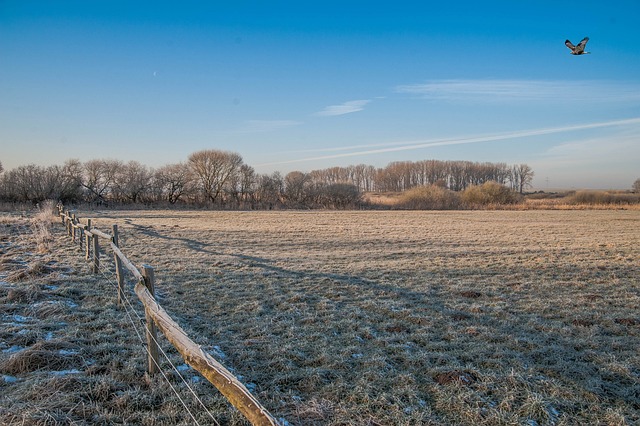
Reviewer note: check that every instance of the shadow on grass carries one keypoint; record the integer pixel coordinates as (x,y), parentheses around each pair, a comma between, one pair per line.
(529,340)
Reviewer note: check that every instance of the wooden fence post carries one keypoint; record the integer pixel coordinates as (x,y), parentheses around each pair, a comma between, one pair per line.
(119,271)
(80,236)
(96,254)
(74,221)
(69,224)
(152,334)
(66,221)
(88,237)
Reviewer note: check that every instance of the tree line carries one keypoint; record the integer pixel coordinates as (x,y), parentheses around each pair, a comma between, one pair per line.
(221,179)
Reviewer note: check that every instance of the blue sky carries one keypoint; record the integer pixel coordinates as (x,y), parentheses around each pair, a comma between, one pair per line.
(307,85)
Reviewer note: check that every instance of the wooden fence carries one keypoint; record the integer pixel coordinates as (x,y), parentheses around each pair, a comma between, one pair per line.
(88,239)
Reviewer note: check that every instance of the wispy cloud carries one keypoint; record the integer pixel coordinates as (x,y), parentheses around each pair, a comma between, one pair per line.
(598,149)
(264,126)
(414,145)
(345,108)
(603,161)
(523,90)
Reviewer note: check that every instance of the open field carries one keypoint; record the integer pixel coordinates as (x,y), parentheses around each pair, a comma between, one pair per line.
(384,318)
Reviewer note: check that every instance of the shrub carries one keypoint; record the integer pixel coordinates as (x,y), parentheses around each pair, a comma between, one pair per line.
(429,198)
(41,224)
(489,193)
(604,197)
(339,196)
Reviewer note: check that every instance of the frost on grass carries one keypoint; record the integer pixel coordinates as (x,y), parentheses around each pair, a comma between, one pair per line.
(409,317)
(63,340)
(371,317)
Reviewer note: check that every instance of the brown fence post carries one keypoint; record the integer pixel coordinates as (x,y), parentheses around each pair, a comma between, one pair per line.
(96,254)
(118,262)
(152,334)
(69,224)
(74,221)
(88,237)
(80,236)
(66,222)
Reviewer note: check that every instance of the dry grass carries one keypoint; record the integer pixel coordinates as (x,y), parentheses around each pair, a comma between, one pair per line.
(404,318)
(379,318)
(69,354)
(492,196)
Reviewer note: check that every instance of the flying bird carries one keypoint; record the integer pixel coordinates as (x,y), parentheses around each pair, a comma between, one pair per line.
(579,49)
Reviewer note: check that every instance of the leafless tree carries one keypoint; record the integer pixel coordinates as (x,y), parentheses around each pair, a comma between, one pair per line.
(248,181)
(241,185)
(57,186)
(521,177)
(213,169)
(269,190)
(97,177)
(132,181)
(297,187)
(340,195)
(32,183)
(363,176)
(24,183)
(455,175)
(636,186)
(173,181)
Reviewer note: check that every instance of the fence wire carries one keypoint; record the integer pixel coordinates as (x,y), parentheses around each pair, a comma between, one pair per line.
(108,275)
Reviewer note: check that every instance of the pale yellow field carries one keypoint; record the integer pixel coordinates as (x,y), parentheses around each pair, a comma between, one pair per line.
(333,318)
(475,317)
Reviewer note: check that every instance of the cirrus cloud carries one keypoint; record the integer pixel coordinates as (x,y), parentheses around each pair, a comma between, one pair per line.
(523,90)
(345,108)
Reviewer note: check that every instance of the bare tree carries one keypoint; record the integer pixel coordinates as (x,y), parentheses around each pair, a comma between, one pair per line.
(247,182)
(363,177)
(173,181)
(96,176)
(340,195)
(241,184)
(521,177)
(270,188)
(24,183)
(73,171)
(1,168)
(296,188)
(32,183)
(636,186)
(213,169)
(56,186)
(132,181)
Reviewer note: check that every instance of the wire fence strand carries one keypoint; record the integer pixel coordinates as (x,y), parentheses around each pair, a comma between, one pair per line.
(108,267)
(107,275)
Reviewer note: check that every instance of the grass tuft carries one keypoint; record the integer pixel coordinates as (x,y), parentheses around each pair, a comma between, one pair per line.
(51,355)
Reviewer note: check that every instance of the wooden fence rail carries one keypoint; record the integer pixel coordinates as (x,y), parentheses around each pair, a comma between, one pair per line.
(235,392)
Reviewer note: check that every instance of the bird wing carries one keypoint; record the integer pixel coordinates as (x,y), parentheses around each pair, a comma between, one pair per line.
(583,43)
(569,45)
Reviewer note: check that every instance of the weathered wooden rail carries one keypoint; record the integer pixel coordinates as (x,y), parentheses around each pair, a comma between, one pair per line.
(156,317)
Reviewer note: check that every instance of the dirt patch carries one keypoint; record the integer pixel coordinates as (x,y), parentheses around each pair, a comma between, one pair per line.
(460,316)
(582,322)
(470,294)
(455,377)
(593,297)
(627,321)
